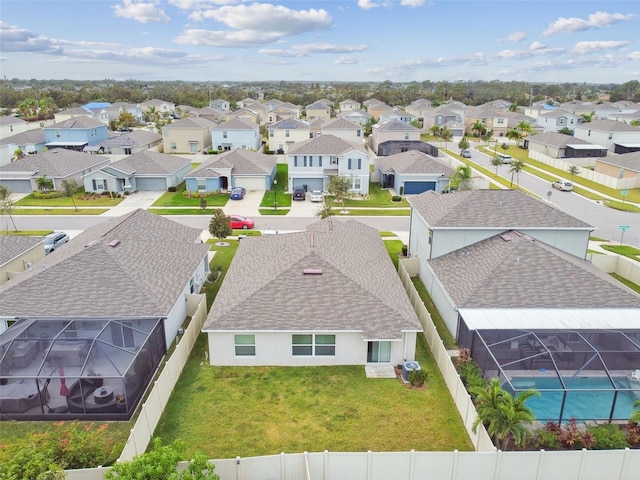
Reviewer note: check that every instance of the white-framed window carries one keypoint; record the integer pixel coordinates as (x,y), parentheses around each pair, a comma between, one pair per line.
(271,133)
(357,184)
(313,345)
(286,133)
(358,133)
(57,133)
(245,345)
(127,151)
(334,161)
(500,121)
(173,146)
(193,147)
(201,183)
(224,134)
(99,183)
(406,136)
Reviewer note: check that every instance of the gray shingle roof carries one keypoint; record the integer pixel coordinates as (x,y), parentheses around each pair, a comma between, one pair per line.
(11,120)
(630,161)
(55,163)
(341,124)
(608,126)
(137,137)
(80,122)
(413,161)
(325,145)
(357,290)
(236,124)
(197,123)
(241,162)
(507,209)
(30,136)
(524,273)
(143,275)
(150,163)
(290,124)
(559,140)
(395,126)
(12,246)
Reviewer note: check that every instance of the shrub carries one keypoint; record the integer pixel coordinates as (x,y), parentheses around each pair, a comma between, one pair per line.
(172,189)
(543,439)
(417,378)
(570,436)
(608,437)
(471,375)
(401,190)
(405,250)
(46,195)
(633,433)
(396,198)
(505,146)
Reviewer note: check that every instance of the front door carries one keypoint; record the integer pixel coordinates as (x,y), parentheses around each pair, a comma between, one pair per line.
(379,352)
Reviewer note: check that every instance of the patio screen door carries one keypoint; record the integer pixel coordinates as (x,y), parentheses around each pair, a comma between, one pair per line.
(379,352)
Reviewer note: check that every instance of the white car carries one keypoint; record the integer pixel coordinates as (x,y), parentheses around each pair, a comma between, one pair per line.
(53,241)
(316,196)
(563,185)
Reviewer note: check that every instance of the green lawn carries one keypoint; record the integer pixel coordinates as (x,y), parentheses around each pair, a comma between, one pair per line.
(375,212)
(626,250)
(181,211)
(178,199)
(59,211)
(26,233)
(283,199)
(267,410)
(81,199)
(443,331)
(633,286)
(378,197)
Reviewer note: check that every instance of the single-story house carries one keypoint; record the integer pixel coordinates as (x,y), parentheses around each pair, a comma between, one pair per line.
(354,310)
(151,171)
(57,164)
(94,319)
(237,168)
(18,254)
(413,172)
(29,142)
(559,145)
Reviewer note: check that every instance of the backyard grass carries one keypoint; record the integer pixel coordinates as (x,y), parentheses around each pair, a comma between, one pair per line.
(178,199)
(283,199)
(59,211)
(93,201)
(443,331)
(267,410)
(625,250)
(633,286)
(26,233)
(394,247)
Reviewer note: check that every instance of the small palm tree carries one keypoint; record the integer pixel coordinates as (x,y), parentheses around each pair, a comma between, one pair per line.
(496,162)
(478,128)
(462,177)
(446,135)
(516,167)
(435,130)
(574,170)
(44,184)
(514,134)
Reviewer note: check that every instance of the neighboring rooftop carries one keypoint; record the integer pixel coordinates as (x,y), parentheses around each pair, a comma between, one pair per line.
(413,161)
(12,246)
(325,145)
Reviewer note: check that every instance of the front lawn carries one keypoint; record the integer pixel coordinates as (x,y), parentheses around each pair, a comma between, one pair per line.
(81,200)
(625,250)
(178,199)
(59,211)
(283,199)
(378,197)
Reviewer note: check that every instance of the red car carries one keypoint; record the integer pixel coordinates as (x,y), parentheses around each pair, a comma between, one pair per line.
(237,222)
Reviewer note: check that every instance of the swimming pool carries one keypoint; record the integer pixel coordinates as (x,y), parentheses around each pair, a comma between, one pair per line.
(585,398)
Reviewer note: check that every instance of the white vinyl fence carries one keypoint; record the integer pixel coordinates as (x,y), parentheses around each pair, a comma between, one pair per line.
(625,267)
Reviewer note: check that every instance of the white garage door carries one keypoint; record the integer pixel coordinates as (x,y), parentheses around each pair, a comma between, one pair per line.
(250,183)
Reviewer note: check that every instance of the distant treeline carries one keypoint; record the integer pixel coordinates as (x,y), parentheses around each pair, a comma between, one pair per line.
(68,93)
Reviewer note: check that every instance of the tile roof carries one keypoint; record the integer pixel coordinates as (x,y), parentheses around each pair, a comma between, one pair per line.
(413,161)
(12,246)
(325,145)
(143,275)
(55,163)
(240,161)
(30,136)
(358,288)
(80,122)
(507,209)
(524,273)
(150,163)
(559,140)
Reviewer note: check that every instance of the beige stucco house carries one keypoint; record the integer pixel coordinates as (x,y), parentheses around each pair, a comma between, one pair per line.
(18,254)
(189,135)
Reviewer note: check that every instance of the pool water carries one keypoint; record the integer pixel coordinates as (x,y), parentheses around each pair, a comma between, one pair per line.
(587,398)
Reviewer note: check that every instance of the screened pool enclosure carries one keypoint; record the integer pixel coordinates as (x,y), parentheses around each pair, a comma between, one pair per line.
(53,368)
(587,375)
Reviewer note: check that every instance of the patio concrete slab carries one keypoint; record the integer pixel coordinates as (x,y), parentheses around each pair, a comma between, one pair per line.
(380,371)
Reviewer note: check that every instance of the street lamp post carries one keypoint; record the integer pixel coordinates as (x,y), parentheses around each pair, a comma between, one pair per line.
(275,194)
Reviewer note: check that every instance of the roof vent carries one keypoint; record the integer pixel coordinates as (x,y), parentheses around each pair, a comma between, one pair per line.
(114,243)
(91,243)
(505,237)
(312,271)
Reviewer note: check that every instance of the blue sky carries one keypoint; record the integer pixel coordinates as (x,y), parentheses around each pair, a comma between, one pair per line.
(330,40)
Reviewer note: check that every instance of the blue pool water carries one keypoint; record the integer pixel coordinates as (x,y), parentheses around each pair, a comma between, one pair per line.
(587,398)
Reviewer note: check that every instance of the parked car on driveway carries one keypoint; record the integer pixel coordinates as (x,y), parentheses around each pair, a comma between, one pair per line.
(316,196)
(237,193)
(53,241)
(239,222)
(299,193)
(563,185)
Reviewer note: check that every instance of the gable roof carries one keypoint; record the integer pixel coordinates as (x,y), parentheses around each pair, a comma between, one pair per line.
(130,139)
(12,246)
(79,122)
(289,124)
(240,161)
(236,124)
(325,145)
(559,140)
(413,161)
(128,279)
(394,125)
(629,161)
(609,126)
(30,136)
(358,289)
(55,163)
(150,163)
(11,120)
(341,124)
(194,123)
(517,273)
(507,209)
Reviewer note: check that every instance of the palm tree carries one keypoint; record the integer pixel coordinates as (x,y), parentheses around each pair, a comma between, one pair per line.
(504,416)
(514,134)
(524,127)
(478,128)
(446,135)
(496,162)
(463,144)
(44,184)
(574,170)
(462,177)
(516,167)
(435,130)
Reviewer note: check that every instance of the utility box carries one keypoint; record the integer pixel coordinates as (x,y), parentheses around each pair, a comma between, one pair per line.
(407,368)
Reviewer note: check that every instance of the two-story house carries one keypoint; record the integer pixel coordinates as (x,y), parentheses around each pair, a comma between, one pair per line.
(418,108)
(357,116)
(286,132)
(319,109)
(29,142)
(314,161)
(557,120)
(162,107)
(75,133)
(128,143)
(10,126)
(608,133)
(343,129)
(236,133)
(220,104)
(385,137)
(188,135)
(397,114)
(348,105)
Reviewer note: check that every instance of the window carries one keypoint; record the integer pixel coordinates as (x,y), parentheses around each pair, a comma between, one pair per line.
(320,161)
(500,121)
(313,345)
(610,136)
(295,160)
(193,146)
(173,146)
(224,134)
(127,151)
(99,183)
(334,161)
(305,160)
(245,344)
(271,133)
(406,136)
(202,183)
(357,133)
(357,184)
(286,133)
(58,133)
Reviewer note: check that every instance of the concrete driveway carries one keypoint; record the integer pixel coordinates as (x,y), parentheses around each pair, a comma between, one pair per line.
(249,206)
(304,209)
(132,202)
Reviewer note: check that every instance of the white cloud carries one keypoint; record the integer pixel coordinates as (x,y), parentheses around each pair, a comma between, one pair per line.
(512,54)
(347,60)
(412,3)
(141,11)
(243,38)
(368,4)
(537,46)
(582,48)
(199,4)
(14,39)
(634,56)
(514,37)
(595,20)
(310,48)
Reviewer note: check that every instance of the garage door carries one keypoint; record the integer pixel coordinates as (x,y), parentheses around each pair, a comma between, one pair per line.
(250,183)
(17,186)
(151,184)
(311,183)
(412,188)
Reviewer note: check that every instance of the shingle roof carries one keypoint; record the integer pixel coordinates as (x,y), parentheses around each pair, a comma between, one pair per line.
(12,246)
(241,162)
(608,126)
(524,273)
(289,124)
(137,137)
(507,209)
(394,125)
(341,124)
(191,123)
(325,145)
(150,163)
(629,161)
(357,290)
(11,120)
(80,122)
(236,124)
(55,163)
(559,140)
(143,275)
(30,136)
(413,161)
